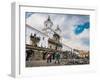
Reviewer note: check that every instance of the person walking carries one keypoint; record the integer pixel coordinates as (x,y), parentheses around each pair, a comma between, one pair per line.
(49,57)
(57,58)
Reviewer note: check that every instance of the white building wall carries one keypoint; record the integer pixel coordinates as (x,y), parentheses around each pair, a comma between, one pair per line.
(42,42)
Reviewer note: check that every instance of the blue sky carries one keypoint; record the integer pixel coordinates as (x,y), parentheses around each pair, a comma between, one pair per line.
(75,28)
(28,14)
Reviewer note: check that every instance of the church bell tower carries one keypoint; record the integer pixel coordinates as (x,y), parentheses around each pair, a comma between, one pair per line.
(48,26)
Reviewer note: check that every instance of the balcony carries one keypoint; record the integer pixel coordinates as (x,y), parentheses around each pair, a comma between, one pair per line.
(54,42)
(34,38)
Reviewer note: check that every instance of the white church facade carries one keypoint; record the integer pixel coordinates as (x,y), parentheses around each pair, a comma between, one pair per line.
(48,37)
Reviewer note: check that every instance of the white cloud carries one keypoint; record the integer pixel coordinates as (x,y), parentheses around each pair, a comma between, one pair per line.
(76,41)
(36,20)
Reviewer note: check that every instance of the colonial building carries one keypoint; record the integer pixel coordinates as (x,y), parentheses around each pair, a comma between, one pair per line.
(47,37)
(35,37)
(39,42)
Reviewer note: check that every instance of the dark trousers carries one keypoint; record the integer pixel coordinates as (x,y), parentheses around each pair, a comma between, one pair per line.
(49,60)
